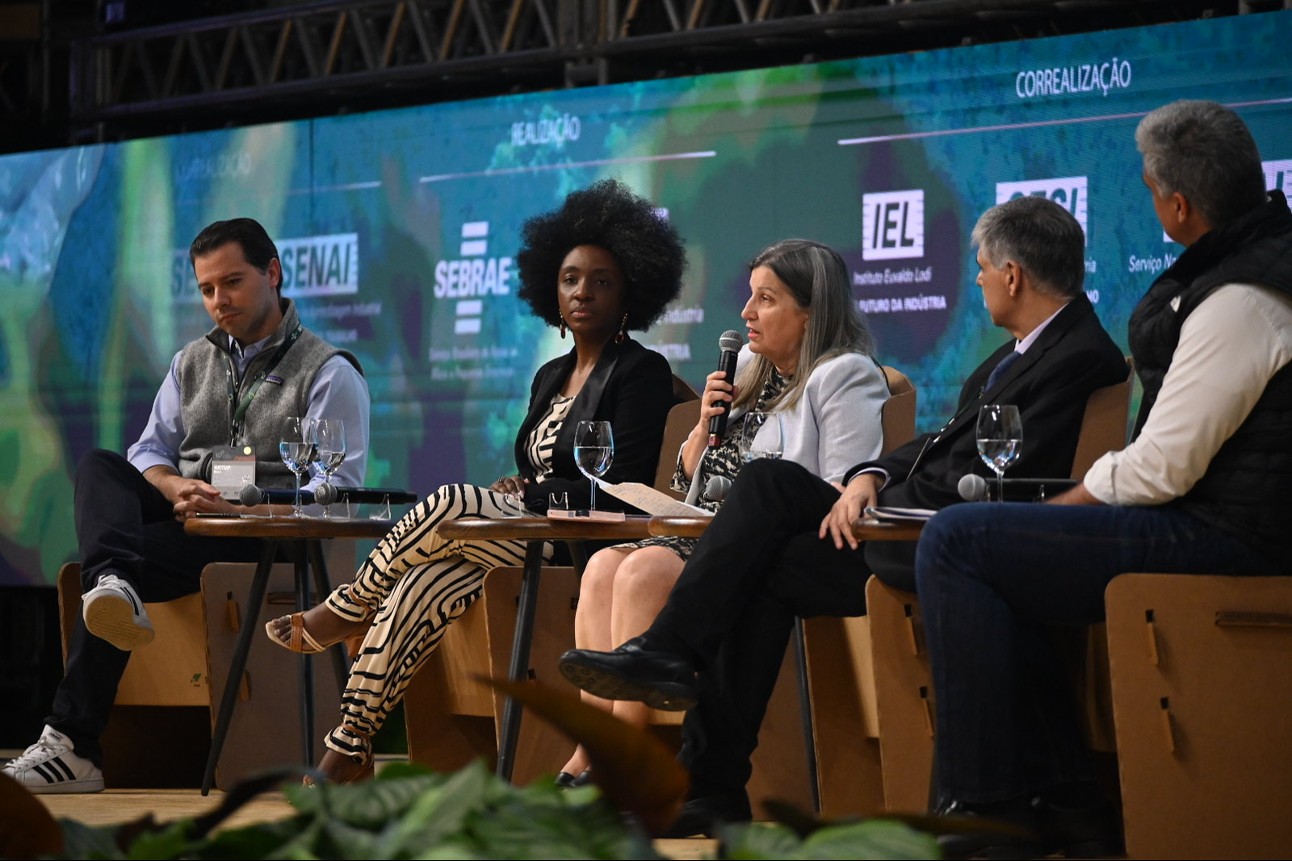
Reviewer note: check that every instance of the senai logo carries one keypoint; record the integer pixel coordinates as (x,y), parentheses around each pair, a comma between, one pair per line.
(892,224)
(473,275)
(1068,192)
(312,266)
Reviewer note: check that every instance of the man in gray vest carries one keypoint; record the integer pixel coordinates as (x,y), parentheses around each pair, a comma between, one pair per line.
(227,391)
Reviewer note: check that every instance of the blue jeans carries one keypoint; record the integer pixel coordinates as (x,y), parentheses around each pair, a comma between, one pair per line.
(991,577)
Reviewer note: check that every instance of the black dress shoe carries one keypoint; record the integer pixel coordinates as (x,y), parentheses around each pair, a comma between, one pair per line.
(1006,829)
(1089,831)
(565,780)
(633,672)
(703,816)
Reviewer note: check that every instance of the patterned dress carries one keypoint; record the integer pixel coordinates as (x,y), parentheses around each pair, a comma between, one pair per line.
(724,460)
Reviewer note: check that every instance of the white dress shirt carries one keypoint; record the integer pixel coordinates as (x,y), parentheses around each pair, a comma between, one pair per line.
(1230,346)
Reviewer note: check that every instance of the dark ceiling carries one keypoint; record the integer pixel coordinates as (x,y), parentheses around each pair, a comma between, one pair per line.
(79,71)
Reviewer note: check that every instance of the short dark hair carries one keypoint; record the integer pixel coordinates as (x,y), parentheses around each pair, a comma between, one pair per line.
(609,215)
(1041,237)
(256,245)
(1204,151)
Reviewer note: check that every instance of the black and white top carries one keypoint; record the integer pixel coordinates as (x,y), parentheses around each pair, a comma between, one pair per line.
(542,439)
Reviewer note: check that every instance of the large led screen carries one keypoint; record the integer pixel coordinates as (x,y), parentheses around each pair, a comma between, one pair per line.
(399,229)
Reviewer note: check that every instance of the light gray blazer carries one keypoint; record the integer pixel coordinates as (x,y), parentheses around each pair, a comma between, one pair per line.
(835,423)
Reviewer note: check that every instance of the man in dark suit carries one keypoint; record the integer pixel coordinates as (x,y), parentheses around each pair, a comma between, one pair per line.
(782,546)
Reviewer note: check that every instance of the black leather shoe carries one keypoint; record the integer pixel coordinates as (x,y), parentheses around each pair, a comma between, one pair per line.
(1092,831)
(1006,829)
(565,780)
(703,816)
(633,672)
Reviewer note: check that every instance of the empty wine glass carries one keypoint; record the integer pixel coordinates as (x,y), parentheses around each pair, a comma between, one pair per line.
(331,450)
(594,449)
(761,436)
(297,448)
(1000,435)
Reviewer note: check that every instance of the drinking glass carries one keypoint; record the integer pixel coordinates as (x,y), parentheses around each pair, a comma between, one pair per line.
(1000,435)
(761,436)
(297,447)
(331,450)
(594,449)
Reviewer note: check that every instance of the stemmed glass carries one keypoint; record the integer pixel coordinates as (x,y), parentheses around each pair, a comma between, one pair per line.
(594,449)
(331,450)
(1000,435)
(761,436)
(298,446)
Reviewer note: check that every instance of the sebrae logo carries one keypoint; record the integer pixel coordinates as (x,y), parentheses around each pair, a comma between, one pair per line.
(1068,191)
(472,276)
(892,225)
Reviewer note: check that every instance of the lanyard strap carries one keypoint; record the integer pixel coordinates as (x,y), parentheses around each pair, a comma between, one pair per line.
(240,412)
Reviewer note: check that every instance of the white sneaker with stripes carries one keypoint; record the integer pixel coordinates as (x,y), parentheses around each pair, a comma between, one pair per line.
(50,766)
(113,612)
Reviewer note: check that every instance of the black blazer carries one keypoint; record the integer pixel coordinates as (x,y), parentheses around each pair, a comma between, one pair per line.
(1050,384)
(632,388)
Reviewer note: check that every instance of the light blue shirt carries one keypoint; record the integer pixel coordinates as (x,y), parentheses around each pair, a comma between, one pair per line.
(339,392)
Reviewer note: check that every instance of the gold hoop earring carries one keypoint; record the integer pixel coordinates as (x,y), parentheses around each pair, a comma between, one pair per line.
(562,328)
(623,329)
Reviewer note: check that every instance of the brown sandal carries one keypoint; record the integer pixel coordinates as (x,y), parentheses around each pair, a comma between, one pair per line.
(299,640)
(356,770)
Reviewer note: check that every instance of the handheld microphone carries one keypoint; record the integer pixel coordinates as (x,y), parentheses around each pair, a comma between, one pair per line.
(251,495)
(729,345)
(975,488)
(716,487)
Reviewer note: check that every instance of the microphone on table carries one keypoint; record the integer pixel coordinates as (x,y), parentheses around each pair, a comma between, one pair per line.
(729,344)
(716,487)
(325,494)
(250,494)
(975,488)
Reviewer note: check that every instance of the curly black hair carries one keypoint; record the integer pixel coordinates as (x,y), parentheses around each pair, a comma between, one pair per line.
(607,214)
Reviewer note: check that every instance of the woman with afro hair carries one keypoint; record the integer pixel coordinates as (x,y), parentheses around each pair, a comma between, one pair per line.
(602,264)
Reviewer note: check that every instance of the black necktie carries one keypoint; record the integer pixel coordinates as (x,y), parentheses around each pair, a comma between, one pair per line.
(999,371)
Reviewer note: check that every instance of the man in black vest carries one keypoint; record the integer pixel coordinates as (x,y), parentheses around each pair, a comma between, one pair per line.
(1203,488)
(232,388)
(782,544)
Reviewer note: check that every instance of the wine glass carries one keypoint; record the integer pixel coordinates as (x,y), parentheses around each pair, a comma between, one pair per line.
(297,447)
(594,449)
(761,436)
(331,450)
(1000,434)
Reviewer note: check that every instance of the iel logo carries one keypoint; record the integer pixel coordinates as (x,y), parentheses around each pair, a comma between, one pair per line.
(892,224)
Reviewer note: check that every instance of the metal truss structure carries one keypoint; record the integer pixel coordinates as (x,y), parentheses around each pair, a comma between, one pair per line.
(294,60)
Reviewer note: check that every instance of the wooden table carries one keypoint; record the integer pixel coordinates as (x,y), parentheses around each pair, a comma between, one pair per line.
(864,530)
(302,537)
(535,531)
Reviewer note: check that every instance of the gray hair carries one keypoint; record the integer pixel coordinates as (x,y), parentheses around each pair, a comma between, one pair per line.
(818,279)
(1041,237)
(1205,152)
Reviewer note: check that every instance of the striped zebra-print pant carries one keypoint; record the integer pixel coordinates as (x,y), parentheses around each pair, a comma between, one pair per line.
(412,586)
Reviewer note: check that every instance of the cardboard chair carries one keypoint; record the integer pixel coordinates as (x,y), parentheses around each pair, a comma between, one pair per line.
(1201,693)
(165,700)
(902,683)
(840,672)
